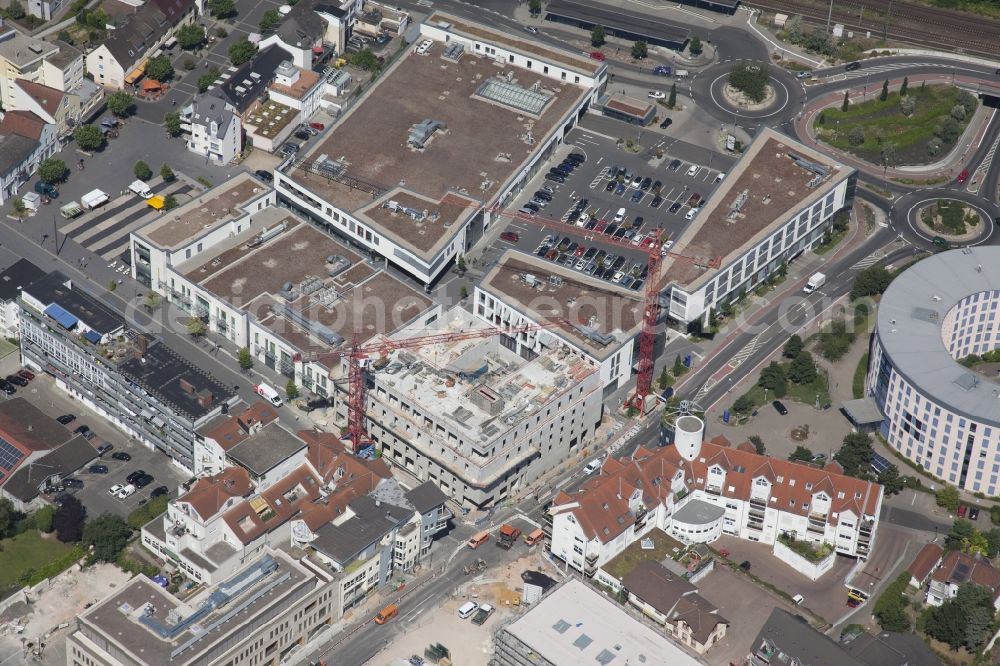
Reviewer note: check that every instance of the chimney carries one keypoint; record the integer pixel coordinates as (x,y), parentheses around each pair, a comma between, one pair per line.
(140,344)
(187,386)
(205,398)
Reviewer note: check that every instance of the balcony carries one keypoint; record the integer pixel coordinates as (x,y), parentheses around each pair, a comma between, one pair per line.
(714,490)
(758,503)
(816,529)
(592,557)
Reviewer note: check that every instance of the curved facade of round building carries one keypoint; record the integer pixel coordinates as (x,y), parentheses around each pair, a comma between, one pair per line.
(937,412)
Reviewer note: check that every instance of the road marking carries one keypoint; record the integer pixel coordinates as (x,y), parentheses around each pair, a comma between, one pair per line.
(870,260)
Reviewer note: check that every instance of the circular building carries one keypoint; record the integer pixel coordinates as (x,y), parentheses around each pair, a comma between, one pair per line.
(937,412)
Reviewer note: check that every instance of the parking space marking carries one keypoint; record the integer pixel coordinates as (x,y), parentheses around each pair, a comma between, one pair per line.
(597,179)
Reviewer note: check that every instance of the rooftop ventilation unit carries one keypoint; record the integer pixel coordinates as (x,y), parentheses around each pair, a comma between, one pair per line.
(267,234)
(817,169)
(314,327)
(421,133)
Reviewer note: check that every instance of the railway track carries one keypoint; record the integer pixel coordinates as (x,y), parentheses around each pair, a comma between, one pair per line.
(900,21)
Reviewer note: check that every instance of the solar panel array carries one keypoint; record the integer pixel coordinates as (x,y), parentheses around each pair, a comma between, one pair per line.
(10,455)
(514,96)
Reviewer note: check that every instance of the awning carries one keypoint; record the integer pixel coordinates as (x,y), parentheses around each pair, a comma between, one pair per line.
(863,411)
(93,336)
(150,84)
(259,504)
(156,202)
(63,318)
(136,73)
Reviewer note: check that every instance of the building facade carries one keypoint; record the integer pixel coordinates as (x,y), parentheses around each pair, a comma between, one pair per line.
(939,412)
(722,490)
(213,129)
(132,379)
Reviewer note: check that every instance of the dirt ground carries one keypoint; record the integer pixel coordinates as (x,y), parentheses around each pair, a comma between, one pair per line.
(470,645)
(50,614)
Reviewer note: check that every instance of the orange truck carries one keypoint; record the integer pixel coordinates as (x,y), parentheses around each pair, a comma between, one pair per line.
(533,537)
(507,536)
(387,614)
(478,539)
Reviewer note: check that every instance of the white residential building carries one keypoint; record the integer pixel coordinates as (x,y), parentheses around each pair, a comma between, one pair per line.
(214,130)
(719,490)
(297,88)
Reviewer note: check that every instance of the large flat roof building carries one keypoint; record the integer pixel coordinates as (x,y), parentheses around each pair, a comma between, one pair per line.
(475,417)
(574,624)
(409,169)
(938,412)
(777,202)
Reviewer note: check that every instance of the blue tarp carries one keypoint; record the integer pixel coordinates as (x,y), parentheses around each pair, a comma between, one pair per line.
(63,318)
(93,336)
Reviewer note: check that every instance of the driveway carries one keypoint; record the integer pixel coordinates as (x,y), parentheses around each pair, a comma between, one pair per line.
(746,607)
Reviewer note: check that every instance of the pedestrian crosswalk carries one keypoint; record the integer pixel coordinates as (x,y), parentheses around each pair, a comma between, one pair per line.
(105,231)
(868,261)
(745,353)
(705,388)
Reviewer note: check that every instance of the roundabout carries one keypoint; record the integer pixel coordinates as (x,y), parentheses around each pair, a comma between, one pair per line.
(782,102)
(907,211)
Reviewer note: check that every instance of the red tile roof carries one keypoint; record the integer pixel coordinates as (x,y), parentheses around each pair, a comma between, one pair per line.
(925,561)
(957,568)
(279,503)
(236,428)
(22,123)
(46,97)
(603,507)
(211,493)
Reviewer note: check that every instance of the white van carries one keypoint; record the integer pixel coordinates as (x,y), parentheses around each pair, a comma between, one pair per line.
(268,393)
(798,599)
(467,609)
(692,170)
(141,188)
(620,216)
(592,466)
(690,214)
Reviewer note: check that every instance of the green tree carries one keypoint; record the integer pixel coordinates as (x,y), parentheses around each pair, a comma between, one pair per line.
(42,518)
(460,265)
(120,103)
(907,105)
(743,405)
(672,98)
(69,519)
(597,36)
(159,68)
(961,533)
(169,202)
(793,29)
(802,369)
(195,327)
(891,481)
(535,7)
(678,368)
(364,59)
(190,36)
(847,102)
(222,8)
(291,390)
(152,300)
(107,535)
(172,121)
(695,45)
(758,444)
(664,380)
(856,136)
(241,51)
(15,10)
(801,453)
(166,173)
(142,171)
(871,281)
(888,154)
(245,359)
(639,50)
(792,347)
(773,378)
(885,91)
(903,88)
(270,20)
(890,607)
(18,208)
(855,454)
(751,78)
(948,497)
(147,512)
(52,171)
(206,80)
(8,517)
(88,137)
(963,621)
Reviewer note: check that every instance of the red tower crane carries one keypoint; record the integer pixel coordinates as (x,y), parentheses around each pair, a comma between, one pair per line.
(651,302)
(357,354)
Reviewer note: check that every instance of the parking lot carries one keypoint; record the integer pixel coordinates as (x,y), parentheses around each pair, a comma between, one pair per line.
(619,202)
(45,395)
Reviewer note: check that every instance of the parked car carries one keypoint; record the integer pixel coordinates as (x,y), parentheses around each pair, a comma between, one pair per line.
(667,122)
(510,236)
(7,387)
(962,510)
(655,203)
(610,186)
(745,565)
(89,435)
(81,429)
(159,490)
(121,455)
(637,196)
(143,481)
(265,176)
(317,126)
(674,207)
(98,469)
(302,135)
(104,448)
(135,475)
(115,489)
(675,165)
(779,407)
(656,94)
(597,55)
(72,483)
(555,178)
(17,380)
(973,512)
(26,374)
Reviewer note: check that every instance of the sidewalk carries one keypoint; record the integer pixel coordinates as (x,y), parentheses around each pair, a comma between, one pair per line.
(946,168)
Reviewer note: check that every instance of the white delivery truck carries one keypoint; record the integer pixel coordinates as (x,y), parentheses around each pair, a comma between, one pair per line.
(141,188)
(94,198)
(816,281)
(268,393)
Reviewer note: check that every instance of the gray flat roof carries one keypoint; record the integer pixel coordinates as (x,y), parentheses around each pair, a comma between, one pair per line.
(648,25)
(697,512)
(269,447)
(575,625)
(862,411)
(910,317)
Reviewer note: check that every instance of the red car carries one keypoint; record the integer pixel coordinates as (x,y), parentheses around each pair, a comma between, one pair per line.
(962,510)
(647,242)
(552,254)
(510,236)
(964,176)
(26,374)
(600,226)
(317,126)
(597,55)
(579,251)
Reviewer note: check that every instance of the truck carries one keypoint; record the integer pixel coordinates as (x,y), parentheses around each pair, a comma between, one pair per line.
(816,280)
(387,614)
(141,188)
(94,198)
(71,210)
(507,536)
(485,610)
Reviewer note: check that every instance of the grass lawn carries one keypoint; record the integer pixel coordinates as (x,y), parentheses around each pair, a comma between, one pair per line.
(883,121)
(804,393)
(26,551)
(663,547)
(858,383)
(835,239)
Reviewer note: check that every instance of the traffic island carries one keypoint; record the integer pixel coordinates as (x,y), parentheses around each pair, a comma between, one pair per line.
(954,221)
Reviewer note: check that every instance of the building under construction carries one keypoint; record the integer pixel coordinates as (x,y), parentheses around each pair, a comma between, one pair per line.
(474,416)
